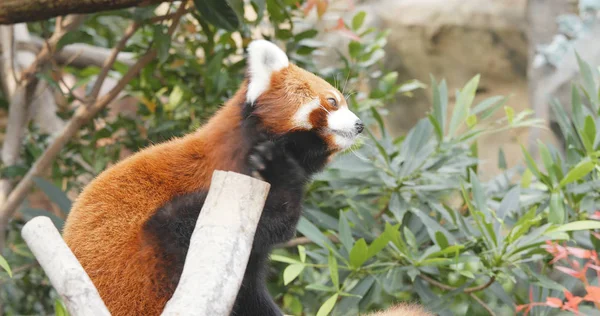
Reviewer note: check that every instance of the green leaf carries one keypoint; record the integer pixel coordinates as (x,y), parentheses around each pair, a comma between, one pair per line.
(55,194)
(218,13)
(328,306)
(471,120)
(579,171)
(441,240)
(410,239)
(478,193)
(313,233)
(489,106)
(75,36)
(291,272)
(589,134)
(526,178)
(280,258)
(463,104)
(510,114)
(175,98)
(509,203)
(501,159)
(531,163)
(259,6)
(547,160)
(557,208)
(302,253)
(377,245)
(162,42)
(359,253)
(576,226)
(4,264)
(345,233)
(60,309)
(358,20)
(440,105)
(333,271)
(588,82)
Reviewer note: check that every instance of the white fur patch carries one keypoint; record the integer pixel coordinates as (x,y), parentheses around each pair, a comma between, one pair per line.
(302,116)
(264,58)
(343,123)
(342,120)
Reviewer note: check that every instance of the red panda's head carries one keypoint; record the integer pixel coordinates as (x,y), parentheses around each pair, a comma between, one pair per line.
(288,98)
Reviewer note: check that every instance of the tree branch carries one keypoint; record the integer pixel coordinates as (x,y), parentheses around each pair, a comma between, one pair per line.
(468,290)
(78,54)
(62,268)
(16,11)
(82,115)
(220,246)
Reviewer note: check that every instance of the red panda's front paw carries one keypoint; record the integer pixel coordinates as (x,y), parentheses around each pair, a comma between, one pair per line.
(259,158)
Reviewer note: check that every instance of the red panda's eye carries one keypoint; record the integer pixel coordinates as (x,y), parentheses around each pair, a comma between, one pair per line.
(333,102)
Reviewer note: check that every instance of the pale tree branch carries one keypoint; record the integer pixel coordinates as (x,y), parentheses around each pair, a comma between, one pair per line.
(220,246)
(82,116)
(66,274)
(110,61)
(78,54)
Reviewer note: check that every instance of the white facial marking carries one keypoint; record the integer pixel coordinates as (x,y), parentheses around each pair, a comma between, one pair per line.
(302,116)
(343,124)
(338,96)
(264,58)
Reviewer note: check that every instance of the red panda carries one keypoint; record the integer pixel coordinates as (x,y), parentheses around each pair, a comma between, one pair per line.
(130,227)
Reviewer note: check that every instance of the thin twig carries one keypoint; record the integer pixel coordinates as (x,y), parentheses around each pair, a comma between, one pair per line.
(482,303)
(468,290)
(109,62)
(168,16)
(303,241)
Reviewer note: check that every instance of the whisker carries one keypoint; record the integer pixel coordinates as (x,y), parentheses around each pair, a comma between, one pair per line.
(347,78)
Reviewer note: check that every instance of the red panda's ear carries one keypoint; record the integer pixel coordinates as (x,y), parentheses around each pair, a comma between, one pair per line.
(264,58)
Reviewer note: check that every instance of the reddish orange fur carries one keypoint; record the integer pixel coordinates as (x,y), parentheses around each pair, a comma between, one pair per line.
(105,226)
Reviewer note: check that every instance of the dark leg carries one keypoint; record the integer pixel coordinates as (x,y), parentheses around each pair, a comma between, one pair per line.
(253,297)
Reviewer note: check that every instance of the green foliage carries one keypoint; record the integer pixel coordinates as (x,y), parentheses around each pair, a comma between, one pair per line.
(414,222)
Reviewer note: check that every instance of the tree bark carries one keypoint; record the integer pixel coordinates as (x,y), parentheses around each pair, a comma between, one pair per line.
(16,11)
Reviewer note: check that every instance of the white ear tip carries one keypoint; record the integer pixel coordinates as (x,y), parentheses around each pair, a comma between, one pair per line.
(267,54)
(264,58)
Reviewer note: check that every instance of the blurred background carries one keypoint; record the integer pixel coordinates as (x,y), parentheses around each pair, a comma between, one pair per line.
(475,189)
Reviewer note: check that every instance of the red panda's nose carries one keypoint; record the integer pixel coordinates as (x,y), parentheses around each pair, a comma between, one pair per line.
(359,126)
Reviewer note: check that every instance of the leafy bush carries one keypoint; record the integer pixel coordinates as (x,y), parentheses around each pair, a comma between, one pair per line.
(408,218)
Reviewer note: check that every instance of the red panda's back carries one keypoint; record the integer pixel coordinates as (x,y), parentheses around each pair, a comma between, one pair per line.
(105,226)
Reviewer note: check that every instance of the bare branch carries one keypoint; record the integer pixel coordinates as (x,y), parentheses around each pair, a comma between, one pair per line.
(62,268)
(110,61)
(16,11)
(79,54)
(226,228)
(303,241)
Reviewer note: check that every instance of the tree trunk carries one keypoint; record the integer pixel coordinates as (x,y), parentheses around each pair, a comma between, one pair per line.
(16,11)
(541,28)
